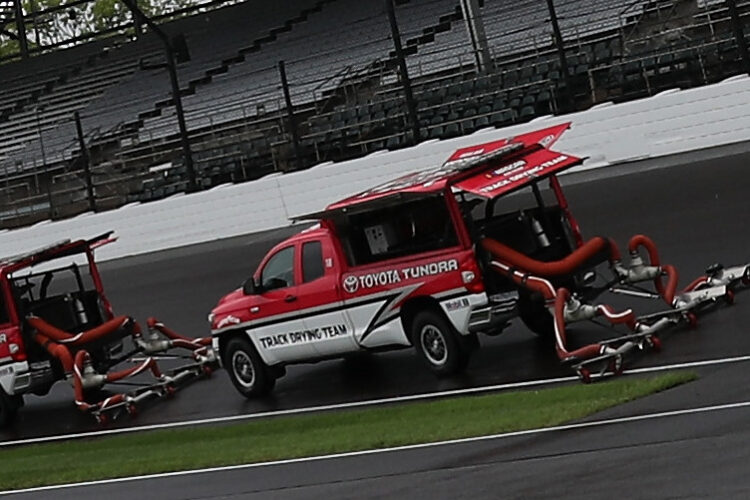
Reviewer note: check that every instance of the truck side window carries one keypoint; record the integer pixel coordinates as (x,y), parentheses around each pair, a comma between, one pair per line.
(420,225)
(279,270)
(312,261)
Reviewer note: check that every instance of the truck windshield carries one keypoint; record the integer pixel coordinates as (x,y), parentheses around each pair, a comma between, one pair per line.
(420,225)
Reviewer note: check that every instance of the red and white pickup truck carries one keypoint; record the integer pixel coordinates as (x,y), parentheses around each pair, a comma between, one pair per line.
(399,266)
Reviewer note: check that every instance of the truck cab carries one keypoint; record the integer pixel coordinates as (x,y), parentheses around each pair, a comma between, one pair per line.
(398,266)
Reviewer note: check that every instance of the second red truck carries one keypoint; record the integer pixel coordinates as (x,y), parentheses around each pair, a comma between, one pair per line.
(433,258)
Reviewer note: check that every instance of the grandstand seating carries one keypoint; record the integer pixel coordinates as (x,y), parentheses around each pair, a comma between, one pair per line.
(346,92)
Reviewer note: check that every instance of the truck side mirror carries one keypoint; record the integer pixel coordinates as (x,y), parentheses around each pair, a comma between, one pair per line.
(250,287)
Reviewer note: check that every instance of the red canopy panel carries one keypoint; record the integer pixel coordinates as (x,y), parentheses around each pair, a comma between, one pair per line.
(516,173)
(486,155)
(426,181)
(545,138)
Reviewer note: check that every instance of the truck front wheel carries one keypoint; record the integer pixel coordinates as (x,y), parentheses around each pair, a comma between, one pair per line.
(249,374)
(438,344)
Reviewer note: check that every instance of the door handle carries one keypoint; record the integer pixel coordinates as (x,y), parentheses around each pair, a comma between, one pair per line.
(290,298)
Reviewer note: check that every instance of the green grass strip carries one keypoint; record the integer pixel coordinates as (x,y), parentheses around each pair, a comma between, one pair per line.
(317,434)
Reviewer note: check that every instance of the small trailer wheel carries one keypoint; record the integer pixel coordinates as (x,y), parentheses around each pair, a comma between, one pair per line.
(438,344)
(584,375)
(729,297)
(249,374)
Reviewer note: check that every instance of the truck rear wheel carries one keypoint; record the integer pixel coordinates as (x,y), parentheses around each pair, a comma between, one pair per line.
(438,344)
(536,317)
(9,406)
(249,374)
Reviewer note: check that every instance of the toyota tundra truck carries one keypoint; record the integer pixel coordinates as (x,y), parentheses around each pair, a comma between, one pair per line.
(399,266)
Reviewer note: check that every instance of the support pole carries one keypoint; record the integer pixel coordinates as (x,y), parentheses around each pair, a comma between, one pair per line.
(44,164)
(176,97)
(137,23)
(21,27)
(739,34)
(567,96)
(292,122)
(32,13)
(411,105)
(475,28)
(86,163)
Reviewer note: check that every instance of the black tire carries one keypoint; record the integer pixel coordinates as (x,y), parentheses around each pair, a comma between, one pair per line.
(438,344)
(249,374)
(9,406)
(536,316)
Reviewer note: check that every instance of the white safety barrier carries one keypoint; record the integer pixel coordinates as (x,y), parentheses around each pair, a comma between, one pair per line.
(671,122)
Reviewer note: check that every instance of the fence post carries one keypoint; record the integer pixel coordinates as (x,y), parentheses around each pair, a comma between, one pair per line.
(475,27)
(44,163)
(86,163)
(567,96)
(739,34)
(137,24)
(21,27)
(411,106)
(176,96)
(290,115)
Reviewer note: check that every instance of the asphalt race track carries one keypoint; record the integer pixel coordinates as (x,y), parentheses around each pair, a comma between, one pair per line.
(701,455)
(697,213)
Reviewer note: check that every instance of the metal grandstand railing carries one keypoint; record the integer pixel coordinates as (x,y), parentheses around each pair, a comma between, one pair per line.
(346,91)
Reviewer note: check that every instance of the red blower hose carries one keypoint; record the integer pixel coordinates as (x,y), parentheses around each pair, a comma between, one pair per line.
(57,351)
(565,266)
(666,291)
(592,350)
(82,338)
(177,339)
(533,283)
(82,358)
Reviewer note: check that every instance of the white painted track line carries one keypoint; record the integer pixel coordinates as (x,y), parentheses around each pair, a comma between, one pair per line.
(359,404)
(528,432)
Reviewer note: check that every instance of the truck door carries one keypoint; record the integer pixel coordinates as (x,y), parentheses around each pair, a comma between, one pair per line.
(279,324)
(327,325)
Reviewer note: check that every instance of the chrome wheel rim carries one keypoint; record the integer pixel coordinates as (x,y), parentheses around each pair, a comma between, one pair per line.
(433,345)
(243,369)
